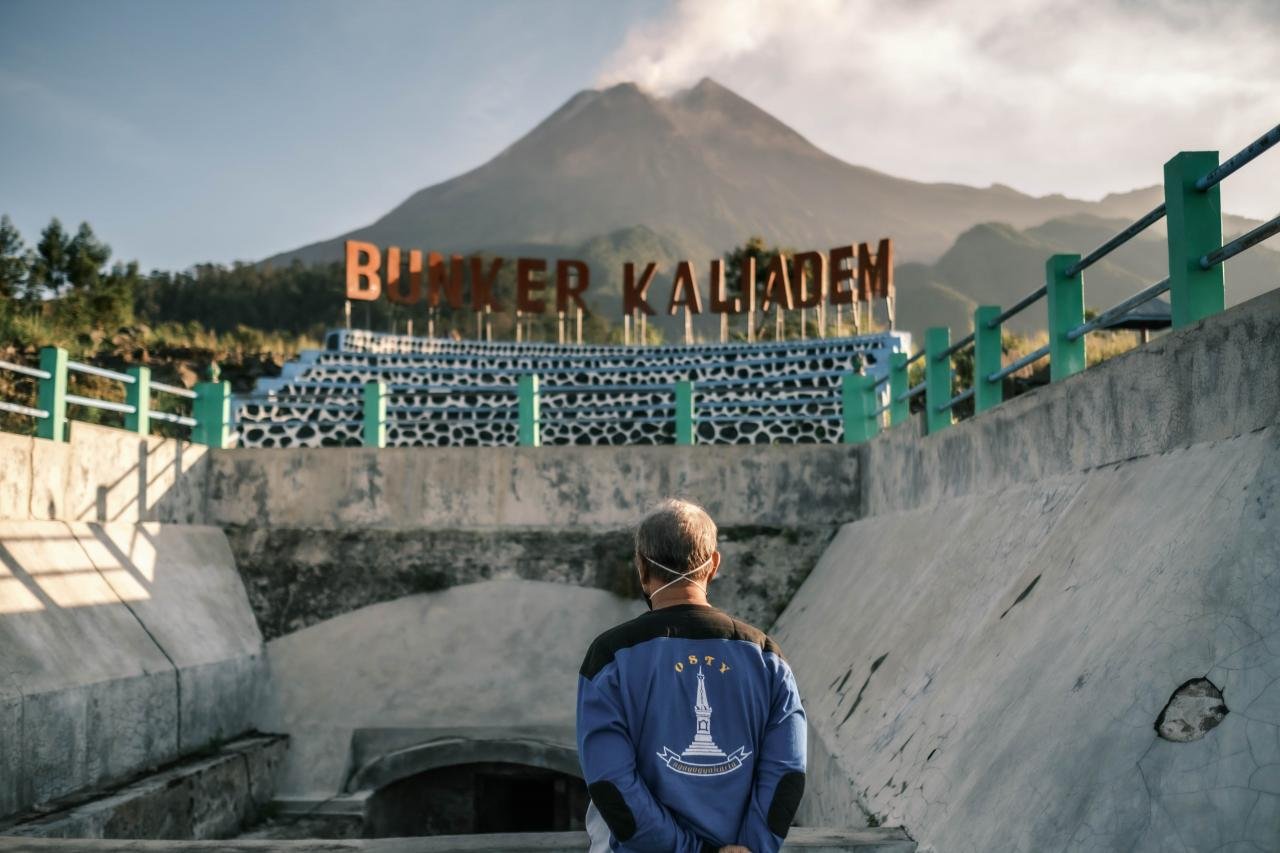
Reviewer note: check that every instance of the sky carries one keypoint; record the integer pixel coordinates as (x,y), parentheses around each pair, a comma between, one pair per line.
(213,131)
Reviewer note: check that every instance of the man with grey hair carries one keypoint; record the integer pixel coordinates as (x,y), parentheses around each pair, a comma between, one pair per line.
(661,774)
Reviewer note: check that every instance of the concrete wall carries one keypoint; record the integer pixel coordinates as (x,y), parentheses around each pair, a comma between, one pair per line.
(211,796)
(986,656)
(989,670)
(102,475)
(559,487)
(297,577)
(1216,379)
(124,646)
(488,661)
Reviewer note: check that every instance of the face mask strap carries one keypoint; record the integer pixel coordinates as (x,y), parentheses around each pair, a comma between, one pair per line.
(680,576)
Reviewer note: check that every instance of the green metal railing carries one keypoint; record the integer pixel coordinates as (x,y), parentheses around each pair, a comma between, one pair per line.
(53,398)
(1195,285)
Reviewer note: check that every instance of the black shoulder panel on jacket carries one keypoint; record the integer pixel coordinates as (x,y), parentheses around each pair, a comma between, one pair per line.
(614,809)
(786,800)
(687,621)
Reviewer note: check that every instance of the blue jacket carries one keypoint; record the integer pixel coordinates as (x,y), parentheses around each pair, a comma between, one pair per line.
(691,733)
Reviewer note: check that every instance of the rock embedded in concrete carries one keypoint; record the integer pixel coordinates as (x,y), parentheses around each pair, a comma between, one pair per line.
(1195,709)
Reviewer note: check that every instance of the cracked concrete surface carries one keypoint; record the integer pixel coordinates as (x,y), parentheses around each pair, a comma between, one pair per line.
(1032,728)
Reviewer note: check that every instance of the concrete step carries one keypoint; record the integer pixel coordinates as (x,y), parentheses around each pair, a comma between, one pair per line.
(811,840)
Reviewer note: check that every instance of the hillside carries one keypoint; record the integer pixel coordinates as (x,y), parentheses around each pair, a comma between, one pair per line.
(997,264)
(704,166)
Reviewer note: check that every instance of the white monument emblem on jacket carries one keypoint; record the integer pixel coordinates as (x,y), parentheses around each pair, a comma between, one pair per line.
(693,761)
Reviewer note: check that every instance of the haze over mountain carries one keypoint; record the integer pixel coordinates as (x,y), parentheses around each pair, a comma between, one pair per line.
(704,166)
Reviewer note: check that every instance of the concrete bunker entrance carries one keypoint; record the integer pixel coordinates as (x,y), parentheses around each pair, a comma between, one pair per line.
(476,798)
(468,783)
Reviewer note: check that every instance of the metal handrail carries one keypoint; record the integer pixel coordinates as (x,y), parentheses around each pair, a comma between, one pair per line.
(123,408)
(607,389)
(474,410)
(612,407)
(176,390)
(880,411)
(590,420)
(919,355)
(24,370)
(911,392)
(956,400)
(765,419)
(292,421)
(1029,299)
(1239,244)
(323,407)
(1116,311)
(81,367)
(769,380)
(746,404)
(181,420)
(1029,358)
(19,409)
(954,348)
(1250,151)
(1117,241)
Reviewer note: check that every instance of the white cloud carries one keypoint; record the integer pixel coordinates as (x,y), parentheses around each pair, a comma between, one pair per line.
(1082,98)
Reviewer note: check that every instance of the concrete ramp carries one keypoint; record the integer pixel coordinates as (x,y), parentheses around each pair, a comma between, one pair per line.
(122,647)
(989,671)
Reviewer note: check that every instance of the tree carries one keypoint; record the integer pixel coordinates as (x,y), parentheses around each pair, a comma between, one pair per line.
(85,256)
(14,262)
(49,271)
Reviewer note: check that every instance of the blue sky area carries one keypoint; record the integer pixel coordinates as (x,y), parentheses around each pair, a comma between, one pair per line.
(211,131)
(193,131)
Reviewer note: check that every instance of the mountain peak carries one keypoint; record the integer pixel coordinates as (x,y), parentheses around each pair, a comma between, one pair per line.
(703,164)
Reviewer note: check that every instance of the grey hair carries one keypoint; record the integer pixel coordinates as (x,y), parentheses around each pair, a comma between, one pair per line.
(678,534)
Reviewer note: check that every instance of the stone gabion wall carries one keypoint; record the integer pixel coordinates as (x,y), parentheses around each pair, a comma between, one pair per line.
(447,393)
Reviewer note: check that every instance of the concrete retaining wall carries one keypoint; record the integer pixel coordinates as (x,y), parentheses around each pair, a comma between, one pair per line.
(103,475)
(989,670)
(297,577)
(1216,379)
(212,796)
(557,487)
(124,647)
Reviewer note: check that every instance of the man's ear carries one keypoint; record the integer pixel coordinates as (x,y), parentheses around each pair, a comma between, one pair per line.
(642,570)
(715,566)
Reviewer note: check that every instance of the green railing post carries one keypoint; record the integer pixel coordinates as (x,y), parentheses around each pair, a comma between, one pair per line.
(138,395)
(1066,311)
(857,408)
(987,356)
(1195,229)
(852,413)
(685,417)
(530,412)
(937,377)
(51,394)
(374,423)
(899,409)
(212,411)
